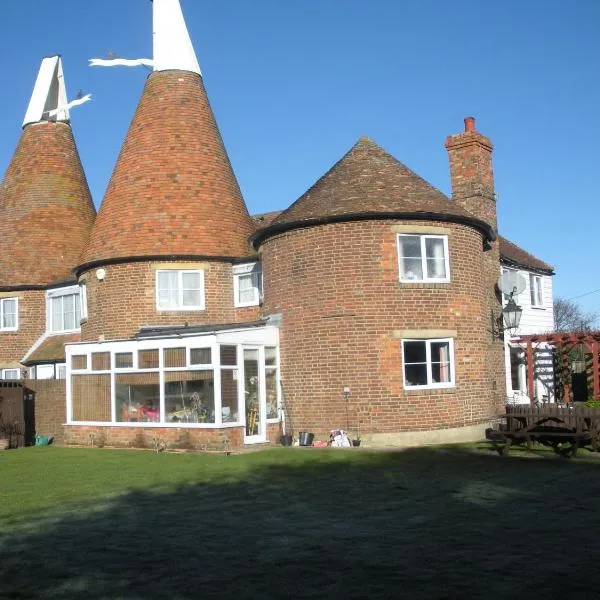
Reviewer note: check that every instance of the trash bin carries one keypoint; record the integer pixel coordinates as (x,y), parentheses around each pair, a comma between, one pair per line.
(306,438)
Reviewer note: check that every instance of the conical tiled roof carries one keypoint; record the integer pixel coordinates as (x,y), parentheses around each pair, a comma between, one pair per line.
(46,211)
(366,183)
(173,191)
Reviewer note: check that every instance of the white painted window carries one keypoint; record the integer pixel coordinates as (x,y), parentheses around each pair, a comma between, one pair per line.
(506,297)
(61,371)
(535,289)
(11,373)
(44,372)
(247,284)
(428,363)
(180,290)
(423,258)
(9,314)
(64,309)
(83,293)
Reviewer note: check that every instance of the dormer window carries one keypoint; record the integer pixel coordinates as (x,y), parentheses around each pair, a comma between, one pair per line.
(180,290)
(9,314)
(423,258)
(247,284)
(64,309)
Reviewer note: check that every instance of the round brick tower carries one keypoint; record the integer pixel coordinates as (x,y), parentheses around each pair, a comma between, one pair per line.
(46,213)
(383,290)
(173,202)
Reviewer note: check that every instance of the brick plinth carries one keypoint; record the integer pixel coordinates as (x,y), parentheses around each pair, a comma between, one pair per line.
(338,289)
(125,300)
(172,437)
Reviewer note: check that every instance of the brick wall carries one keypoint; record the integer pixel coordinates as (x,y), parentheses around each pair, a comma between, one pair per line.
(338,288)
(50,407)
(32,324)
(126,300)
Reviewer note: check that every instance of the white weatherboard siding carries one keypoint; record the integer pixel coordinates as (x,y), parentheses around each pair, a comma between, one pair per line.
(535,319)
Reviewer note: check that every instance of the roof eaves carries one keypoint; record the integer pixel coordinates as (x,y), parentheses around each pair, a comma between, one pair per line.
(259,236)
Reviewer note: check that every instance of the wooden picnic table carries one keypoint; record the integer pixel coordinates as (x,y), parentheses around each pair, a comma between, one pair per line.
(551,424)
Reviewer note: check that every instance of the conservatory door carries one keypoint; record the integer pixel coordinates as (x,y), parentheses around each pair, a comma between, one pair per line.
(254,397)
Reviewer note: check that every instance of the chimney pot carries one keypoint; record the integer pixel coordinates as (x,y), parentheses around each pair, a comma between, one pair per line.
(470,124)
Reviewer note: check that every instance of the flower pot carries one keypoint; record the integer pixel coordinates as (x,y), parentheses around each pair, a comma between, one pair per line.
(287,439)
(356,443)
(306,438)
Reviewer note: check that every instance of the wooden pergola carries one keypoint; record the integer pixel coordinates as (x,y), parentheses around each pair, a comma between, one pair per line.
(591,339)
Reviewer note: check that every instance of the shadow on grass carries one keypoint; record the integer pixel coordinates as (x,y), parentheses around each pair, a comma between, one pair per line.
(421,523)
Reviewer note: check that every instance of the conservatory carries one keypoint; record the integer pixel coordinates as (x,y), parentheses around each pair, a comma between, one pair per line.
(176,379)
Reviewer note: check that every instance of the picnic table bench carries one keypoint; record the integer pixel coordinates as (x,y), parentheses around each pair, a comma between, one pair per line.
(551,425)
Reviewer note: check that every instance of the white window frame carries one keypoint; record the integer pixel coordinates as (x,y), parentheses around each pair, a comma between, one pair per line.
(2,301)
(254,270)
(536,294)
(5,372)
(423,238)
(51,295)
(240,339)
(180,307)
(83,301)
(430,384)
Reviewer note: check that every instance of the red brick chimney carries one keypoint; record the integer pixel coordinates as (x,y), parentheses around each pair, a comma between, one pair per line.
(471,172)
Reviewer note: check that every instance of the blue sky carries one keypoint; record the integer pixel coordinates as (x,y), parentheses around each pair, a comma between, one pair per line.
(294,84)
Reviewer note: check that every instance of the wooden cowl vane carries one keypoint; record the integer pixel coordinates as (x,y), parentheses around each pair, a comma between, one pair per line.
(173,191)
(46,210)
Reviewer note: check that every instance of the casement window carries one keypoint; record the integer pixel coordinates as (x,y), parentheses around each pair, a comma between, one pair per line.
(83,294)
(423,258)
(535,289)
(428,363)
(180,290)
(506,297)
(9,314)
(64,309)
(247,285)
(10,373)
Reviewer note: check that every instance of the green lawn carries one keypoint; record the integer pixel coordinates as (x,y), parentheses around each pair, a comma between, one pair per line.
(297,523)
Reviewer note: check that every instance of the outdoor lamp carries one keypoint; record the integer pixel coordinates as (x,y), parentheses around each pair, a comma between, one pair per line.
(509,321)
(511,315)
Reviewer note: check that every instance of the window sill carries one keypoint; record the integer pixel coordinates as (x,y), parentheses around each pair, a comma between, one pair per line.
(423,284)
(539,307)
(430,388)
(246,305)
(64,331)
(9,330)
(186,309)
